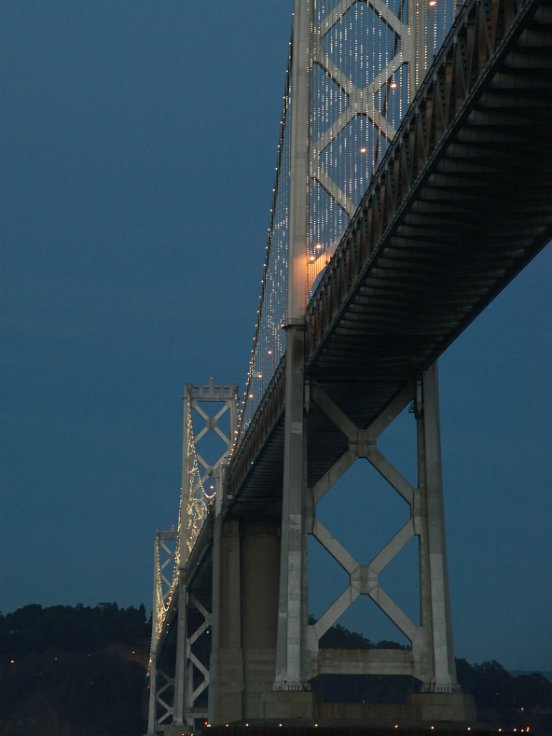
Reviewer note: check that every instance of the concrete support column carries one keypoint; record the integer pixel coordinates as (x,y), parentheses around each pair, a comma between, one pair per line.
(260,557)
(245,610)
(439,668)
(226,665)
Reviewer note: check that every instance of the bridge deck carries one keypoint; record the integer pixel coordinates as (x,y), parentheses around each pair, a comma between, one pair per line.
(461,203)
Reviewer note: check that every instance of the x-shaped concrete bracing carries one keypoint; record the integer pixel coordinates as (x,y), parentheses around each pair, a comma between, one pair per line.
(364,578)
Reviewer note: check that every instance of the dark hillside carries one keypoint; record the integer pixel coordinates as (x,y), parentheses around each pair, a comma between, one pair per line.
(67,671)
(81,671)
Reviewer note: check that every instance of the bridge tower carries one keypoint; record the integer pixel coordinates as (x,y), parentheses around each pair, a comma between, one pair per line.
(161,678)
(179,671)
(431,658)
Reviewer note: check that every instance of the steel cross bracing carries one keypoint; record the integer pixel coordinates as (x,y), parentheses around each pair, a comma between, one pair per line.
(178,676)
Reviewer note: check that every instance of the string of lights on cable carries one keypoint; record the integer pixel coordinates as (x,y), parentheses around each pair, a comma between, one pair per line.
(367,59)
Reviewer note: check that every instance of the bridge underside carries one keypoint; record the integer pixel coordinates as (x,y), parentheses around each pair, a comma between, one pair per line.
(462,203)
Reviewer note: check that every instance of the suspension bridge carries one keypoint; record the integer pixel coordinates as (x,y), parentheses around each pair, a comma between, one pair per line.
(397,216)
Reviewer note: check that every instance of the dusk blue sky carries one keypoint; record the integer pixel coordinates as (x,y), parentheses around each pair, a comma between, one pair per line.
(138,142)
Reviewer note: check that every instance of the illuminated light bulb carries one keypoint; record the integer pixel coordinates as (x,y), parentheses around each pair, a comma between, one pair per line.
(363,149)
(319,246)
(432,3)
(312,259)
(393,85)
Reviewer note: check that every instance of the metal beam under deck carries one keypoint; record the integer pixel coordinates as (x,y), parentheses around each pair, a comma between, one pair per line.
(253,483)
(261,490)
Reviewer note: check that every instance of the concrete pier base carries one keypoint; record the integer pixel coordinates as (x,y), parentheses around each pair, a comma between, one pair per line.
(173,730)
(243,657)
(420,709)
(297,707)
(359,729)
(305,709)
(447,707)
